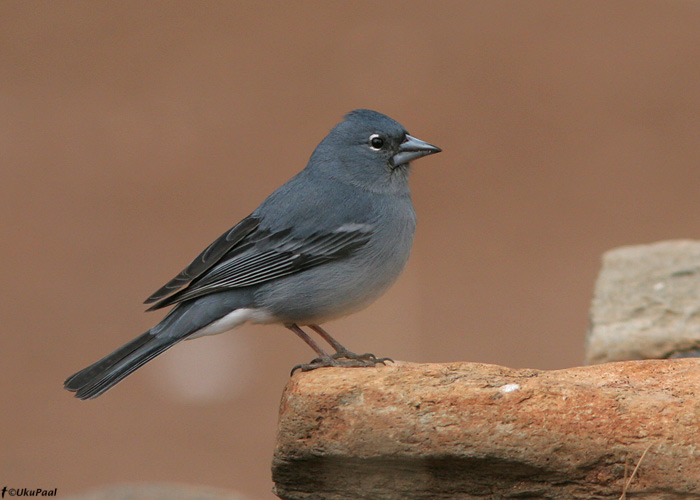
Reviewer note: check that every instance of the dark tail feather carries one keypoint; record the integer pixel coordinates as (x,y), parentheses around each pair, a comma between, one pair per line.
(92,381)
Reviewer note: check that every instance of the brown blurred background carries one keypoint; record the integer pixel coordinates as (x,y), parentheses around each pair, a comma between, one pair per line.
(134,133)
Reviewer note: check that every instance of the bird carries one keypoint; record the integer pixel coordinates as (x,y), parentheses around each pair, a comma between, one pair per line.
(325,244)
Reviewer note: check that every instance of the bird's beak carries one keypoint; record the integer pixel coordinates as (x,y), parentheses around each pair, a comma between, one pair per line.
(412,148)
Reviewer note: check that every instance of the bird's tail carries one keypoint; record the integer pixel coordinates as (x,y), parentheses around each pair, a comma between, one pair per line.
(92,381)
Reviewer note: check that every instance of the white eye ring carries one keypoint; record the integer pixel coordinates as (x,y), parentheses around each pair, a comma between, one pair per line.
(376,142)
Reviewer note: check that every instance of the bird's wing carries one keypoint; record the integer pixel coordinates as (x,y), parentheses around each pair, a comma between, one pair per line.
(265,255)
(208,258)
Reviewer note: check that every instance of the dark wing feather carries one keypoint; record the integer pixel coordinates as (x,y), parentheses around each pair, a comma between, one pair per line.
(274,256)
(208,258)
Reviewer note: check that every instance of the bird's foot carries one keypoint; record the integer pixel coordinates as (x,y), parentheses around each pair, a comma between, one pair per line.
(367,358)
(315,363)
(343,359)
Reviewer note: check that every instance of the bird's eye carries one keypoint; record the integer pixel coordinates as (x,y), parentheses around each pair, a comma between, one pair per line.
(376,141)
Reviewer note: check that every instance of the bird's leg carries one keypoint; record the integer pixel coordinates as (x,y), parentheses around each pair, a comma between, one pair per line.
(327,337)
(302,334)
(342,352)
(323,358)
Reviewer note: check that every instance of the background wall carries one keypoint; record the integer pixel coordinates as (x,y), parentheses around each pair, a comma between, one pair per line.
(132,134)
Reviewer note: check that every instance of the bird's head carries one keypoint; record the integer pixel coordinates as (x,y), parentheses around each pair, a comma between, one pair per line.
(370,150)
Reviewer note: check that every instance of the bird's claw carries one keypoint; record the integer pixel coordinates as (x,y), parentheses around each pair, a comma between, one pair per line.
(315,363)
(368,357)
(344,359)
(351,355)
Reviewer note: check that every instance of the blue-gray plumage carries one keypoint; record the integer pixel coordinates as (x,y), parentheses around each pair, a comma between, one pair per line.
(325,244)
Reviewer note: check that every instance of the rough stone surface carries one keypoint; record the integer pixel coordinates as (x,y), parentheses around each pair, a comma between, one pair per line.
(646,303)
(474,431)
(156,491)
